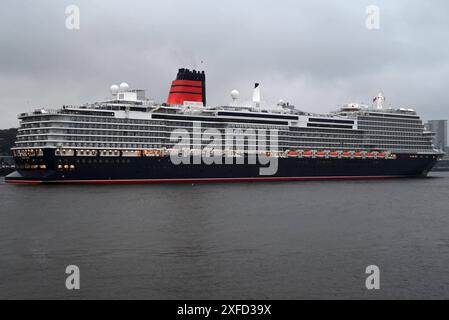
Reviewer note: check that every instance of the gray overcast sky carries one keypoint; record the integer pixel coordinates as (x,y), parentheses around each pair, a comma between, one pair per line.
(316,54)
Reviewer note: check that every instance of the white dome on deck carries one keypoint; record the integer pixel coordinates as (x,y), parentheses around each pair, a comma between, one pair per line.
(234,94)
(124,86)
(114,89)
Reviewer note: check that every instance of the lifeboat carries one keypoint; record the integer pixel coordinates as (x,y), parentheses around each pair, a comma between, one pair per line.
(370,154)
(320,154)
(334,154)
(307,153)
(346,154)
(358,154)
(381,155)
(293,153)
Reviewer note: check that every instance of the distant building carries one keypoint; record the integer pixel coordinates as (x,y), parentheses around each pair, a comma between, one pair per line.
(440,129)
(6,161)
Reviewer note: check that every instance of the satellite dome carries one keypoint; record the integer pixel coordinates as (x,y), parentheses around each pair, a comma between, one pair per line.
(234,94)
(114,89)
(124,86)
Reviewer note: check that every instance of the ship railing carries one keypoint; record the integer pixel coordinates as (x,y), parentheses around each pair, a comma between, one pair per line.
(39,112)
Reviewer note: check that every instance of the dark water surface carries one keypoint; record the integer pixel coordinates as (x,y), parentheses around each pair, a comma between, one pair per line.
(295,240)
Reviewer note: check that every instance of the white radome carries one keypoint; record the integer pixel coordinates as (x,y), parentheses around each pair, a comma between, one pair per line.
(114,89)
(234,94)
(124,86)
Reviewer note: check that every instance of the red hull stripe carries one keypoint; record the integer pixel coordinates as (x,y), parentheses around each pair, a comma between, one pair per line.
(190,180)
(23,181)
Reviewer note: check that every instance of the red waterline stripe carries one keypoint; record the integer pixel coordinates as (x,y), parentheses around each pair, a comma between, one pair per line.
(23,181)
(137,181)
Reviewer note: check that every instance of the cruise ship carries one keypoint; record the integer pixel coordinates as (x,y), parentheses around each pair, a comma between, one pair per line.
(128,138)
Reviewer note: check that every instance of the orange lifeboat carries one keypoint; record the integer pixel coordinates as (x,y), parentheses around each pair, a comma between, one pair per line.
(370,154)
(308,153)
(320,154)
(293,153)
(381,155)
(346,154)
(334,154)
(358,154)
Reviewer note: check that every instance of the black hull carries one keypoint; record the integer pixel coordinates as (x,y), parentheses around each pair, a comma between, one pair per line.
(161,169)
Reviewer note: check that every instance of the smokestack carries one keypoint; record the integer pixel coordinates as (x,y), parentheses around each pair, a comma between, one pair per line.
(256,94)
(188,86)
